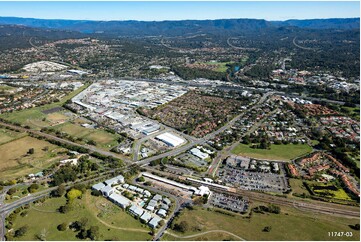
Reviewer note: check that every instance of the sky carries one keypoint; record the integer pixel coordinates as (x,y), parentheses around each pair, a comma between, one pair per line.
(156,11)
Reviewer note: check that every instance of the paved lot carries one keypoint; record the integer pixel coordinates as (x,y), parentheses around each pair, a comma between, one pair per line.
(261,181)
(228,202)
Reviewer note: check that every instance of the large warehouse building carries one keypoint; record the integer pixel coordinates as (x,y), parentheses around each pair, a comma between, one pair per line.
(170,139)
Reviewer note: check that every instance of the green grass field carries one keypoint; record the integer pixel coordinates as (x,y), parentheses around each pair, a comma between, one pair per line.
(297,186)
(15,162)
(277,152)
(9,135)
(221,66)
(118,226)
(290,225)
(103,138)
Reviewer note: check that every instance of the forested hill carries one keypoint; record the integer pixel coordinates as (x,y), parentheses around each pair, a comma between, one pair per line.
(17,36)
(176,28)
(332,23)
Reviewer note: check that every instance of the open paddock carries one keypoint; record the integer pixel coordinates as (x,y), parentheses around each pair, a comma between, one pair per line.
(9,135)
(291,224)
(15,160)
(102,138)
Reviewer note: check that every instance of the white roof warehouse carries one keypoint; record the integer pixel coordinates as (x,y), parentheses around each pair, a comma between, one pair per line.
(170,139)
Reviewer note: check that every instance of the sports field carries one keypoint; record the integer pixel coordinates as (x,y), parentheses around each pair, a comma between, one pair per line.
(291,224)
(116,225)
(220,66)
(277,152)
(15,160)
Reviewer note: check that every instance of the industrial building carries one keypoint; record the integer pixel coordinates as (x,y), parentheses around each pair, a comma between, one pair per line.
(146,128)
(170,139)
(197,152)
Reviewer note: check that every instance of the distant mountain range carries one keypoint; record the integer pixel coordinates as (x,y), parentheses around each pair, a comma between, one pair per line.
(182,27)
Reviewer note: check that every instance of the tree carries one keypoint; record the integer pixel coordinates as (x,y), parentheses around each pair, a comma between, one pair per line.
(31,151)
(355,227)
(141,179)
(24,213)
(11,191)
(62,226)
(74,193)
(33,187)
(60,191)
(96,193)
(92,142)
(93,232)
(65,208)
(21,231)
(267,229)
(83,234)
(274,209)
(182,226)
